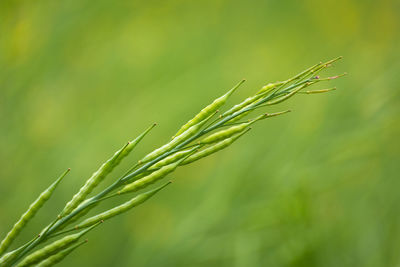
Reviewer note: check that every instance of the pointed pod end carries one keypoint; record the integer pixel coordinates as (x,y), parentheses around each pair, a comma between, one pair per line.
(337,76)
(277,113)
(154,191)
(235,88)
(89,228)
(54,185)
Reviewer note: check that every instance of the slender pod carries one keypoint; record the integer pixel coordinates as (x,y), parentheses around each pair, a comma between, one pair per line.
(132,144)
(208,110)
(223,134)
(326,64)
(287,96)
(121,208)
(102,172)
(53,248)
(78,216)
(92,182)
(12,255)
(214,148)
(172,158)
(302,74)
(239,117)
(264,90)
(318,91)
(267,88)
(56,258)
(177,140)
(153,177)
(29,214)
(260,96)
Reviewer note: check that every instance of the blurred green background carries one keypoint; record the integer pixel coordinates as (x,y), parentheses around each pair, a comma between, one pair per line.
(316,187)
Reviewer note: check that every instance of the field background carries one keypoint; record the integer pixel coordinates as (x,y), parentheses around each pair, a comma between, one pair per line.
(316,187)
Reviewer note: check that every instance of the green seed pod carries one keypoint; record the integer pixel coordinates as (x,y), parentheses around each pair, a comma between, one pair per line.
(9,257)
(242,105)
(318,91)
(153,177)
(207,111)
(121,208)
(59,256)
(101,173)
(239,117)
(214,148)
(29,214)
(92,182)
(131,145)
(172,158)
(78,216)
(52,248)
(285,97)
(302,74)
(223,134)
(176,141)
(325,65)
(250,100)
(267,88)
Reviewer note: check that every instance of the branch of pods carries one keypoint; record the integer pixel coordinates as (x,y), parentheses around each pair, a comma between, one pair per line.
(205,134)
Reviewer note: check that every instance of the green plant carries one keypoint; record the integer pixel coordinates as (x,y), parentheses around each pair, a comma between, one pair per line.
(198,138)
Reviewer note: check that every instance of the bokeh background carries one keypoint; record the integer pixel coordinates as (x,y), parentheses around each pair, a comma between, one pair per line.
(316,187)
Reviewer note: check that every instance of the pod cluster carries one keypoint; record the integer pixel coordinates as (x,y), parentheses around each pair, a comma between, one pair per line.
(189,144)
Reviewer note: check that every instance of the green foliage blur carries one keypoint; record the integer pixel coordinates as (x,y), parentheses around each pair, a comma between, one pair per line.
(316,187)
